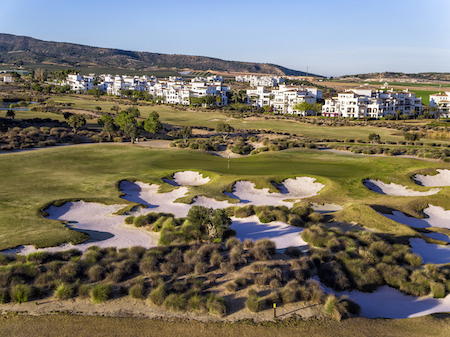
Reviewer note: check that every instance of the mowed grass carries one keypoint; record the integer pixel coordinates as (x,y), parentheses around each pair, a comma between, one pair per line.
(30,180)
(432,325)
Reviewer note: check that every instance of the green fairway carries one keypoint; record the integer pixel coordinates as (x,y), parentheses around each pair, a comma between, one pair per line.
(30,180)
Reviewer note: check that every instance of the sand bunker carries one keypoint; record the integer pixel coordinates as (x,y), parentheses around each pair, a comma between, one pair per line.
(282,234)
(298,188)
(326,208)
(97,220)
(440,179)
(395,189)
(436,217)
(430,252)
(387,302)
(187,178)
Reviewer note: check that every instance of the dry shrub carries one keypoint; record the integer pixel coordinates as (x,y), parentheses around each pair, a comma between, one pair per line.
(95,273)
(293,252)
(158,295)
(248,243)
(215,259)
(336,308)
(200,268)
(167,268)
(255,303)
(149,265)
(274,284)
(231,287)
(227,267)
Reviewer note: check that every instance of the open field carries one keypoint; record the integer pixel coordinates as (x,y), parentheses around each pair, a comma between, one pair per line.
(30,180)
(65,325)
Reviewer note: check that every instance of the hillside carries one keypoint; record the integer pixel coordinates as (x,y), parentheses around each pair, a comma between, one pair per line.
(389,76)
(16,49)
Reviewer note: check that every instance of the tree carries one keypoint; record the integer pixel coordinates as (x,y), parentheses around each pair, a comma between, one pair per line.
(11,114)
(374,138)
(208,223)
(411,136)
(186,132)
(317,108)
(132,130)
(104,119)
(397,114)
(152,125)
(109,127)
(98,108)
(40,75)
(224,128)
(303,106)
(123,119)
(115,108)
(36,87)
(76,121)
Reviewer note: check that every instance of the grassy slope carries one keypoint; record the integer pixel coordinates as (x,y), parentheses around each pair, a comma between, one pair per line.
(433,325)
(32,179)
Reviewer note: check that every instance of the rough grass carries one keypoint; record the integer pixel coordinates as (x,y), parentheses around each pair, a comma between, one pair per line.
(100,293)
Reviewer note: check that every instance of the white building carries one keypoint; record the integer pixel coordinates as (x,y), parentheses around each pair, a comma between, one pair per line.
(358,103)
(283,98)
(441,101)
(256,81)
(79,83)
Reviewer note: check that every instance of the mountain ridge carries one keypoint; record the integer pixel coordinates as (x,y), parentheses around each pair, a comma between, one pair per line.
(14,49)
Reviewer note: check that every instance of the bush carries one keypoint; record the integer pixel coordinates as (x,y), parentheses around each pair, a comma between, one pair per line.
(158,294)
(84,290)
(437,289)
(4,296)
(100,293)
(137,291)
(20,293)
(336,308)
(64,291)
(255,303)
(216,305)
(129,220)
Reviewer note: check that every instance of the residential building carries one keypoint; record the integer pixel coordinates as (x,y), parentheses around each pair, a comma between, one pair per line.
(283,98)
(256,81)
(79,83)
(441,101)
(365,102)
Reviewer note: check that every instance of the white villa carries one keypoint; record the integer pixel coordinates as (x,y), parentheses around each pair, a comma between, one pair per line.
(442,102)
(172,91)
(283,98)
(79,83)
(358,103)
(265,81)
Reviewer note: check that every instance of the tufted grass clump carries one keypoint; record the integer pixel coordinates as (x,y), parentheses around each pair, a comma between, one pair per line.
(216,305)
(137,290)
(158,295)
(20,293)
(4,296)
(64,291)
(175,302)
(336,308)
(100,293)
(255,303)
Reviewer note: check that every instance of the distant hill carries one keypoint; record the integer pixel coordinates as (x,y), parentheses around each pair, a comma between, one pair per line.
(16,49)
(399,76)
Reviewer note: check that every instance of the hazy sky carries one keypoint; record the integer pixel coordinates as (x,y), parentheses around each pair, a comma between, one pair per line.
(329,37)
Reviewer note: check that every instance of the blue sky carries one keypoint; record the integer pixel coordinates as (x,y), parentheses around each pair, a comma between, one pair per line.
(328,37)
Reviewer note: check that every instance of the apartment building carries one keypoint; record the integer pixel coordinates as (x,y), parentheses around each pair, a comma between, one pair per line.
(365,102)
(441,101)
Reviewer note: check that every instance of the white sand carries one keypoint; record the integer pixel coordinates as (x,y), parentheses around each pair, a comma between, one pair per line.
(326,208)
(430,252)
(436,217)
(395,189)
(440,179)
(282,234)
(187,178)
(387,302)
(296,189)
(97,220)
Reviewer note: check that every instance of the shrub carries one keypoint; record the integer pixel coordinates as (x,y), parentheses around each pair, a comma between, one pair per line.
(158,294)
(215,259)
(148,265)
(64,291)
(437,289)
(129,220)
(288,295)
(20,293)
(84,290)
(227,267)
(336,308)
(200,268)
(197,303)
(248,243)
(137,291)
(274,283)
(255,303)
(293,252)
(4,296)
(100,293)
(216,305)
(231,287)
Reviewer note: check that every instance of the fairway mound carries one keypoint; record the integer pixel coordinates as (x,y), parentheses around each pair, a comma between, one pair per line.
(296,189)
(187,178)
(440,179)
(435,217)
(395,189)
(281,233)
(430,252)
